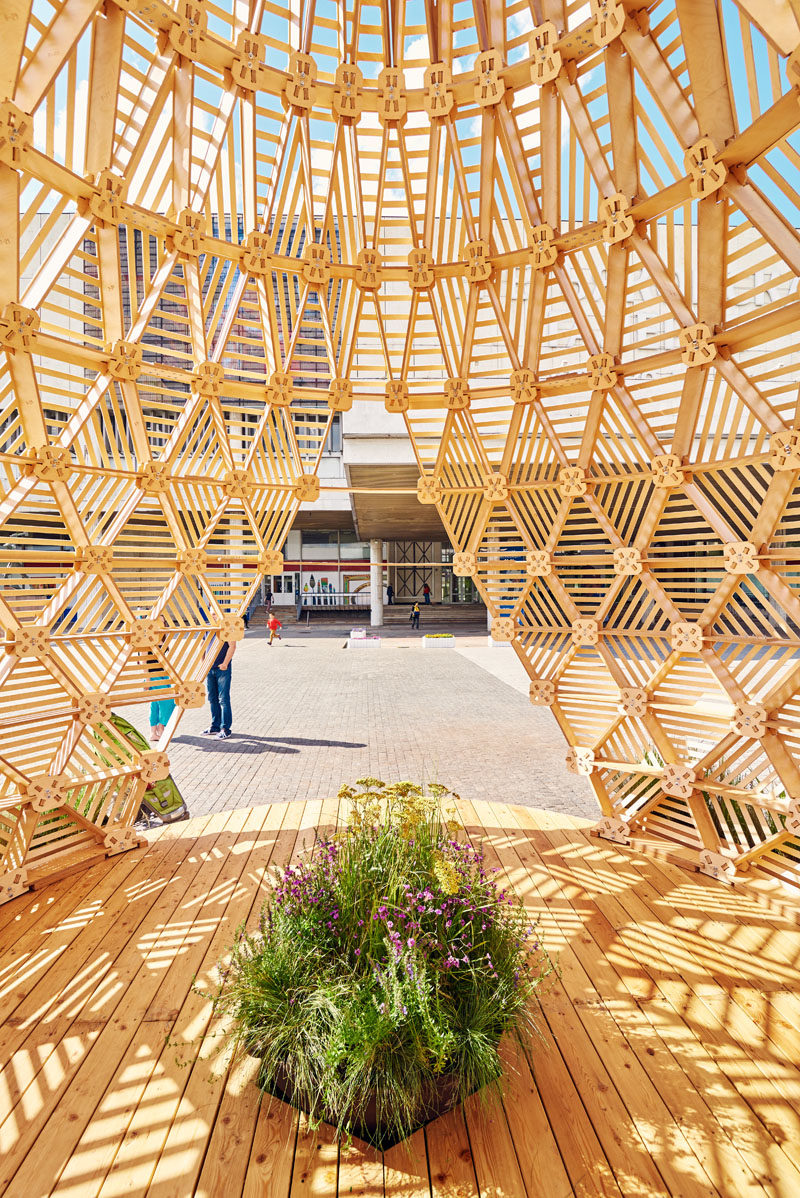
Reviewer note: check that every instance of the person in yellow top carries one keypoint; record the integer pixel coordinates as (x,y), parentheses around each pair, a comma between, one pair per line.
(414,617)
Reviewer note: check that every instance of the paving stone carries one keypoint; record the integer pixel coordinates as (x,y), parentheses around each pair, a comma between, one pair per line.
(309,714)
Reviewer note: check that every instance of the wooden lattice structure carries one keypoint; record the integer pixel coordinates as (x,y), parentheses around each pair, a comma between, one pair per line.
(560,238)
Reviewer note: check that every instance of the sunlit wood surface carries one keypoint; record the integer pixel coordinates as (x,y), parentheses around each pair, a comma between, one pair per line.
(668,1063)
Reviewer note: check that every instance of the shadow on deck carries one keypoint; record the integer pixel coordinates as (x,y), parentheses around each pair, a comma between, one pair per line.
(668,1063)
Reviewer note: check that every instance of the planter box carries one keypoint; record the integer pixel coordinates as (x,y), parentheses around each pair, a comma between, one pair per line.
(438,642)
(438,1100)
(493,644)
(364,642)
(357,633)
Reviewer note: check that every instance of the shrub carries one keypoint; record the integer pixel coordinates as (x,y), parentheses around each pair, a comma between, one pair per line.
(385,965)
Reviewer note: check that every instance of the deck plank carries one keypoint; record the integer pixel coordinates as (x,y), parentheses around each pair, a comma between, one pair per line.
(186,1087)
(121,1003)
(269,1167)
(641,1138)
(668,1063)
(405,1169)
(452,1170)
(360,1171)
(595,949)
(764,1080)
(103,989)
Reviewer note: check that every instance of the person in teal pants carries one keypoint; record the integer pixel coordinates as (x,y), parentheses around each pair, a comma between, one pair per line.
(160,709)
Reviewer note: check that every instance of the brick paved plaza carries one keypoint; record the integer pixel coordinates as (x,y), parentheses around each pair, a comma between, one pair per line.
(310,714)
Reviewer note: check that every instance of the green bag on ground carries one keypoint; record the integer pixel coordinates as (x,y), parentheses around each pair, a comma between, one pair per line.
(161,798)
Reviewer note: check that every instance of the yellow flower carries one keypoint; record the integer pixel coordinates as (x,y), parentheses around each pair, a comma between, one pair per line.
(446,874)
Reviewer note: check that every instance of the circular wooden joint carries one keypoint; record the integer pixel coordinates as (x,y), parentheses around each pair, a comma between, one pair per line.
(192,561)
(188,235)
(464,564)
(456,394)
(585,632)
(16,132)
(396,396)
(479,263)
(124,361)
(18,324)
(340,395)
(94,559)
(306,488)
(678,780)
(368,272)
(542,692)
(256,255)
(153,766)
(153,478)
(523,386)
(707,173)
(572,482)
(716,865)
(103,206)
(429,490)
(633,701)
(190,695)
(231,628)
(31,640)
(697,348)
(119,839)
(316,268)
(667,470)
(49,464)
(784,449)
(46,792)
(13,883)
(686,637)
(280,389)
(503,628)
(601,373)
(538,563)
(580,761)
(391,96)
(627,561)
(750,721)
(207,379)
(615,217)
(740,557)
(439,98)
(612,828)
(421,269)
(300,90)
(92,708)
(270,562)
(238,484)
(495,487)
(144,634)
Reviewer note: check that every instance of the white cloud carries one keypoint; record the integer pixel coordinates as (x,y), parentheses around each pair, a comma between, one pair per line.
(520,22)
(321,161)
(417,49)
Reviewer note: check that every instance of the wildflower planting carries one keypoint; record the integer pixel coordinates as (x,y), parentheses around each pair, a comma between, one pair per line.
(385,970)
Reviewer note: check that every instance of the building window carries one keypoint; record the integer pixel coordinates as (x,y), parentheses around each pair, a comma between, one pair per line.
(333,442)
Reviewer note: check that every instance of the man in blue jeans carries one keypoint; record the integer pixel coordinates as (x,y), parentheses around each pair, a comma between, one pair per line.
(218,686)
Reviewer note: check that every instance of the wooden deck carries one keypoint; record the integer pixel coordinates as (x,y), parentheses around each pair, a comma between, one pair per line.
(668,1066)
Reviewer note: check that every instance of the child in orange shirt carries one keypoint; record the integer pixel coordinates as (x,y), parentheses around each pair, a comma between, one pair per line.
(273,624)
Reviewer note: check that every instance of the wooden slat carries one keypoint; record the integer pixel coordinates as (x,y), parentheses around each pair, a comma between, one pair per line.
(610,205)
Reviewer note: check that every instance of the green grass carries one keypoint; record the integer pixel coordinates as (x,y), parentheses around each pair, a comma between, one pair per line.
(388,959)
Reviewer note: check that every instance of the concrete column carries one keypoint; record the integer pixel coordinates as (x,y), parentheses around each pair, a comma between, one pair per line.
(376,583)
